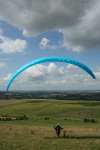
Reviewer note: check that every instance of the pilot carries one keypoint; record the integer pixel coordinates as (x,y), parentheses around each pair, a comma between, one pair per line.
(58,129)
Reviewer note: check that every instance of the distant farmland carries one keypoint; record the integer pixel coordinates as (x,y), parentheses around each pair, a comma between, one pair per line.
(59,95)
(80,120)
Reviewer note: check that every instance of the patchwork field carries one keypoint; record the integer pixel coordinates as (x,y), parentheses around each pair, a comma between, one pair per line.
(80,120)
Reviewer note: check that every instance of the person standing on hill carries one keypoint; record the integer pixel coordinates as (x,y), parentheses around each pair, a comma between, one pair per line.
(58,129)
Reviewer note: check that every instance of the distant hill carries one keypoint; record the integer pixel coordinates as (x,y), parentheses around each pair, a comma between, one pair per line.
(65,95)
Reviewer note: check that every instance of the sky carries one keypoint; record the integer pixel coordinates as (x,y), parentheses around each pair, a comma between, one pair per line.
(31,29)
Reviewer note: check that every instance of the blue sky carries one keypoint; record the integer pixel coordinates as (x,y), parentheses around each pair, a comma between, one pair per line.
(21,42)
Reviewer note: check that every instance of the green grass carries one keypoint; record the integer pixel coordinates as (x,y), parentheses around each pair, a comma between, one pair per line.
(37,133)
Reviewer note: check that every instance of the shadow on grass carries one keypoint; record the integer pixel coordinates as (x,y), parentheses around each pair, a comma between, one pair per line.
(74,137)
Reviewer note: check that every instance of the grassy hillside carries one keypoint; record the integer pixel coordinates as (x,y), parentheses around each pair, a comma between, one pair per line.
(64,112)
(37,132)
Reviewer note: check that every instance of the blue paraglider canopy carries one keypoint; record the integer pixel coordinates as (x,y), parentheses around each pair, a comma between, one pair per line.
(49,59)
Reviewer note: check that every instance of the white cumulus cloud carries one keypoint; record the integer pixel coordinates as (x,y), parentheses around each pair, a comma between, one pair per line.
(56,77)
(44,43)
(8,45)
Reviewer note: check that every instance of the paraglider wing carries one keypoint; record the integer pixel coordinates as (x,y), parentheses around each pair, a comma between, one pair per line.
(49,59)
